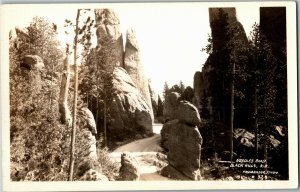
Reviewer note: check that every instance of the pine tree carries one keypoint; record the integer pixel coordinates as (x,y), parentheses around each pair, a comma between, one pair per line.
(263,76)
(166,90)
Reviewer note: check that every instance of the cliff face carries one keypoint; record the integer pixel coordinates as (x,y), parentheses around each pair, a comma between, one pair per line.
(214,14)
(210,84)
(131,109)
(108,30)
(134,66)
(273,27)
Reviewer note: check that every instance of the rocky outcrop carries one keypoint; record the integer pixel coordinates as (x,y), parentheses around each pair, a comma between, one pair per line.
(90,121)
(187,113)
(93,175)
(170,105)
(90,132)
(129,110)
(154,100)
(209,92)
(129,170)
(134,66)
(198,89)
(184,149)
(181,138)
(89,169)
(214,14)
(33,62)
(109,34)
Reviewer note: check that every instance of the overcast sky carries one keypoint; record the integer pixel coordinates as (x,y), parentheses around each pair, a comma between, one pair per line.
(170,36)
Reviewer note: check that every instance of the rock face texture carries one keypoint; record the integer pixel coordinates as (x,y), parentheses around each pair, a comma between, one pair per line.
(129,109)
(198,86)
(184,144)
(187,113)
(90,132)
(207,86)
(129,170)
(134,66)
(90,170)
(170,105)
(93,175)
(214,14)
(108,30)
(154,100)
(33,62)
(182,139)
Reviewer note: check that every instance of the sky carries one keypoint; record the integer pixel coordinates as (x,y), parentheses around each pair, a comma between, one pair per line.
(170,36)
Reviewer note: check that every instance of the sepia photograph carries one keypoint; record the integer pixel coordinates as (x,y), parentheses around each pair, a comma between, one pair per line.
(107,96)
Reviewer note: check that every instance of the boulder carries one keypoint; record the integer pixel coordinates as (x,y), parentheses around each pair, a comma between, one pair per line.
(108,30)
(188,113)
(164,132)
(93,175)
(129,170)
(87,164)
(135,68)
(89,132)
(129,110)
(244,137)
(33,62)
(170,105)
(184,148)
(170,172)
(91,143)
(90,121)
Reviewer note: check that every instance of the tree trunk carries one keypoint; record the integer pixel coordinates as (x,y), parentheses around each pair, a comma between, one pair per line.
(256,119)
(97,113)
(232,112)
(104,123)
(65,116)
(265,137)
(71,167)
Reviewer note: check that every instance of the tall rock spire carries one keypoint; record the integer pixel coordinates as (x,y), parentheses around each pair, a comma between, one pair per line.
(109,34)
(135,68)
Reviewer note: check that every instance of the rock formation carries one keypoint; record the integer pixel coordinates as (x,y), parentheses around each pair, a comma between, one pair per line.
(93,175)
(182,139)
(108,30)
(198,86)
(129,170)
(90,170)
(134,66)
(170,105)
(184,149)
(221,19)
(129,110)
(33,62)
(215,12)
(187,113)
(154,100)
(90,132)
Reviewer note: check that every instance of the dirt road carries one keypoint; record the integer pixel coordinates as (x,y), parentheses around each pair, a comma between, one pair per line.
(150,144)
(144,150)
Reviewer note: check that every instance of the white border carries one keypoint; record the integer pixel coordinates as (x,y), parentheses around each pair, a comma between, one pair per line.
(157,185)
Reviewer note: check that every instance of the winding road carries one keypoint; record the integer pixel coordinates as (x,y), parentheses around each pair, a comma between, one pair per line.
(144,150)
